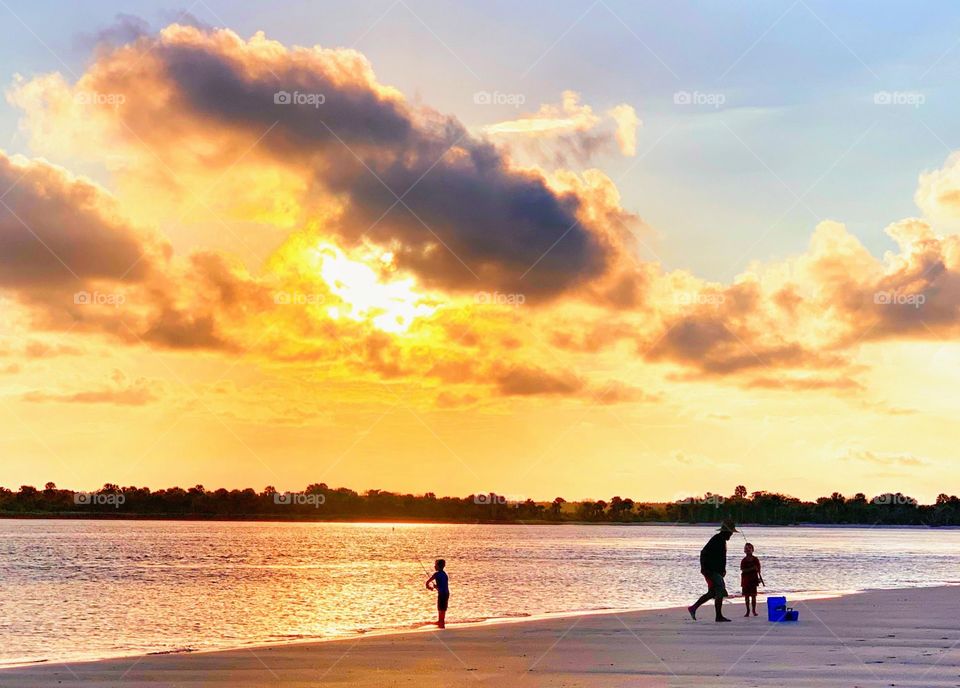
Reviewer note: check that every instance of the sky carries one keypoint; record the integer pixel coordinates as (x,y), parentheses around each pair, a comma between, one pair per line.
(575,249)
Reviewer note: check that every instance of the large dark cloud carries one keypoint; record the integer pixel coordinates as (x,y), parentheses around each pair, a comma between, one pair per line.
(467,220)
(215,85)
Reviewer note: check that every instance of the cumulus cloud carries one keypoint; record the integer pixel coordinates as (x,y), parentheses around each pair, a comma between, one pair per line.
(67,253)
(57,229)
(811,311)
(466,217)
(938,191)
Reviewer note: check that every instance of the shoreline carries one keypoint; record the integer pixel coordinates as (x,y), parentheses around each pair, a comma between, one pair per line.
(902,637)
(429,627)
(196,518)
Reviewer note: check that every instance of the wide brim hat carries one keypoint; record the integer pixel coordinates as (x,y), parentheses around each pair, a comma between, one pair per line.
(728,526)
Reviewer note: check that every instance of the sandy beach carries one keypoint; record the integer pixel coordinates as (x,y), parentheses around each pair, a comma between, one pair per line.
(876,638)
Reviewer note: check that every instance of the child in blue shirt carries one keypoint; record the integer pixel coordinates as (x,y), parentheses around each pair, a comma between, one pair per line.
(441,584)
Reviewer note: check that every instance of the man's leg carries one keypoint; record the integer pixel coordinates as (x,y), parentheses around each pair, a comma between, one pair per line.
(708,595)
(719,591)
(746,601)
(705,597)
(718,602)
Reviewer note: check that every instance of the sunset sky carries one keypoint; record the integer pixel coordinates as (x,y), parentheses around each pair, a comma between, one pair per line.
(546,248)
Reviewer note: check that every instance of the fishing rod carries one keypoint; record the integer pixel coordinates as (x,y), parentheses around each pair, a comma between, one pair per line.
(416,555)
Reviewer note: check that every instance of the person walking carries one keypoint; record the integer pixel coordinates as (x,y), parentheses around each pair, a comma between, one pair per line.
(713,566)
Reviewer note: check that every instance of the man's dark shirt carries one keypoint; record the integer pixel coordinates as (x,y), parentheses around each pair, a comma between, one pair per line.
(713,556)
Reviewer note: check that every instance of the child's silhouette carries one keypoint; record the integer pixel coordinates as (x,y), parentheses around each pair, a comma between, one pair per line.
(441,584)
(750,578)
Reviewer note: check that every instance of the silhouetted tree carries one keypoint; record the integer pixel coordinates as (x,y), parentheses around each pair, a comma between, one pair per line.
(321,502)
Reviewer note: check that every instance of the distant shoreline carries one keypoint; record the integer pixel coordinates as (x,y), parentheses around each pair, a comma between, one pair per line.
(257,518)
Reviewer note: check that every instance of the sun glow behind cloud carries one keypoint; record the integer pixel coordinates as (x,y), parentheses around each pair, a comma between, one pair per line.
(391,306)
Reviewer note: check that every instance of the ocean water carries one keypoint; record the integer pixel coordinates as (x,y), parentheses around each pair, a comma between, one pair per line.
(75,590)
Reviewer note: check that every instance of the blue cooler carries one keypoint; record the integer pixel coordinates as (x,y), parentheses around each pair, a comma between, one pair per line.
(776,608)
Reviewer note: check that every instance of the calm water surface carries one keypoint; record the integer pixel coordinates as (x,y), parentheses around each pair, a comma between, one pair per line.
(74,590)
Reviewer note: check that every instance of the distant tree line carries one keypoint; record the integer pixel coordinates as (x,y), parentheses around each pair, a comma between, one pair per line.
(322,503)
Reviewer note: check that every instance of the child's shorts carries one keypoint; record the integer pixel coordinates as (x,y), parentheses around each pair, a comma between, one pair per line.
(442,599)
(749,590)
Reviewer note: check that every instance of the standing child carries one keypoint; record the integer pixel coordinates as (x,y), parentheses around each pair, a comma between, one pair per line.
(750,578)
(441,584)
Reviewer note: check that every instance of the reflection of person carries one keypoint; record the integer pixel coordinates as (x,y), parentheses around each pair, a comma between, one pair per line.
(441,584)
(713,566)
(750,578)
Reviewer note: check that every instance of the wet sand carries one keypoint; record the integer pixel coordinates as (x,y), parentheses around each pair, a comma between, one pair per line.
(877,638)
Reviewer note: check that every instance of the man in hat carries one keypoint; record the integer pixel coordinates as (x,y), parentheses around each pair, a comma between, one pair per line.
(713,566)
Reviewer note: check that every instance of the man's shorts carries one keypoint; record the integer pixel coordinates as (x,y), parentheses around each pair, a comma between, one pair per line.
(716,585)
(442,599)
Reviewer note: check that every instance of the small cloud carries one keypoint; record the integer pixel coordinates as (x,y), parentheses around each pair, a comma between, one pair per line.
(882,459)
(571,130)
(450,400)
(125,28)
(569,116)
(531,381)
(41,349)
(617,393)
(803,383)
(120,392)
(627,124)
